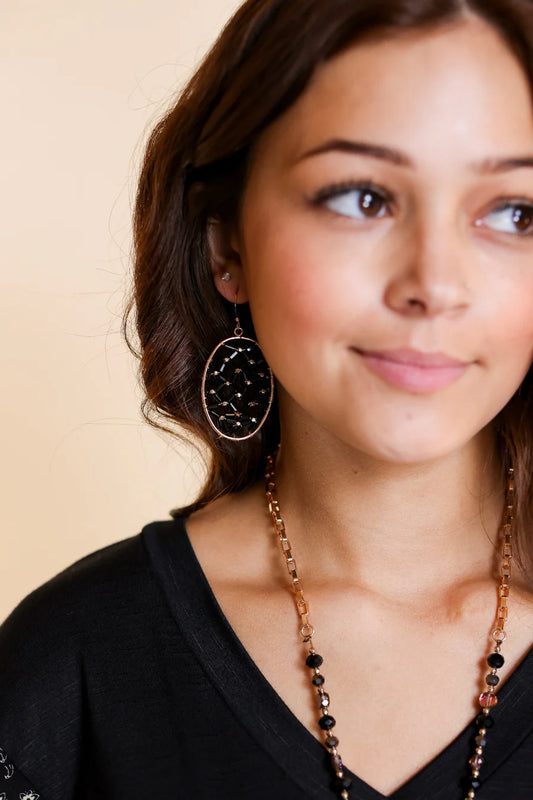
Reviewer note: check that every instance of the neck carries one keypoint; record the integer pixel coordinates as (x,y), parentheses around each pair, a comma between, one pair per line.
(391,527)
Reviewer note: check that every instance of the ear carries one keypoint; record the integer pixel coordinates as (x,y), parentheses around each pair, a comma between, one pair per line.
(225,260)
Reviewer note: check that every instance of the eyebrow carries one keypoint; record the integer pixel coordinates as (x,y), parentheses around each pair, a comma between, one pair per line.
(486,166)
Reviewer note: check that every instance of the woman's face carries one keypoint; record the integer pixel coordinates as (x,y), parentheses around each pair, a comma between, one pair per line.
(391,208)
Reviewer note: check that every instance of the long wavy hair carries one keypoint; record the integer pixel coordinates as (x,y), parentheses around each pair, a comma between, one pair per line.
(260,64)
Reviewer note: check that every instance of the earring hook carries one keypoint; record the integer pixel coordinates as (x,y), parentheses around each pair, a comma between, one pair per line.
(238,329)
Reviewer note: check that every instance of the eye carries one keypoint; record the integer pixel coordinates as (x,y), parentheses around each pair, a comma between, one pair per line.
(356,200)
(514,218)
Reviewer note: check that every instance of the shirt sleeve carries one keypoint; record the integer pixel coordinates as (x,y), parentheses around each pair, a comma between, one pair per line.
(41,695)
(13,784)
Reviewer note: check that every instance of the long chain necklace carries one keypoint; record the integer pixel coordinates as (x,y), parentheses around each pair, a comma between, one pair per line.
(487,699)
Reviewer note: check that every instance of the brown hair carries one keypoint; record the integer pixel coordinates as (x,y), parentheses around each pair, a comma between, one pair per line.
(259,65)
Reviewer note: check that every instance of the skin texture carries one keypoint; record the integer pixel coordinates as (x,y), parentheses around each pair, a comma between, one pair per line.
(389,495)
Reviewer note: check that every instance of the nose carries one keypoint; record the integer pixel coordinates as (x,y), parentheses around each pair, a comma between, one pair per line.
(431,275)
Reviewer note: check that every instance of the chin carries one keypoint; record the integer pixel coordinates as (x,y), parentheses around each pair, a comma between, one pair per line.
(409,448)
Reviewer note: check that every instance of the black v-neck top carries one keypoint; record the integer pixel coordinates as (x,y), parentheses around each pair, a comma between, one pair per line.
(121,679)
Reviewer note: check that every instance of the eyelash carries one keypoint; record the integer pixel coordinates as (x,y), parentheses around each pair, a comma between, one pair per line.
(343,187)
(338,189)
(506,204)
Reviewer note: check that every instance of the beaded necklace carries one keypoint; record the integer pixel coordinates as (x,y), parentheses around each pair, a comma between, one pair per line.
(487,699)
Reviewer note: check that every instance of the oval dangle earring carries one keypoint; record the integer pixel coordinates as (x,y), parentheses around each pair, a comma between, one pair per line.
(237,386)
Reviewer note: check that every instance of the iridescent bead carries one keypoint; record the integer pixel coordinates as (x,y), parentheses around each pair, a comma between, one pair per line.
(318,679)
(327,722)
(336,763)
(492,680)
(476,761)
(322,700)
(487,699)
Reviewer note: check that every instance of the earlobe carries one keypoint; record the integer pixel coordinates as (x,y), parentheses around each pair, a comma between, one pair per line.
(225,262)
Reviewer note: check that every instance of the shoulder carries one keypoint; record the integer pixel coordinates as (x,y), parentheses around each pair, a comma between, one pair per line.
(57,641)
(77,591)
(47,626)
(103,582)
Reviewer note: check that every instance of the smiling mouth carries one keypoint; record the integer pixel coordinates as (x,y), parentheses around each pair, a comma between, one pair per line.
(413,370)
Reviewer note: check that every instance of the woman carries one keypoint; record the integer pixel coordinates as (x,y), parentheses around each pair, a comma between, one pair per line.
(359,176)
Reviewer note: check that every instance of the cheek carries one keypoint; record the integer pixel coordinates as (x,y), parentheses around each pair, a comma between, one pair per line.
(510,323)
(300,281)
(506,341)
(294,304)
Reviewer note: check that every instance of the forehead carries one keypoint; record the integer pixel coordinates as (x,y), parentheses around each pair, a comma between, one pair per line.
(457,85)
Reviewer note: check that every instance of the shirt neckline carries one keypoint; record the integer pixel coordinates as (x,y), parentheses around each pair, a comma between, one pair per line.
(271,722)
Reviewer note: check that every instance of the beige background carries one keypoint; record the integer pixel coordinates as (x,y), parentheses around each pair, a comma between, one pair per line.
(81,83)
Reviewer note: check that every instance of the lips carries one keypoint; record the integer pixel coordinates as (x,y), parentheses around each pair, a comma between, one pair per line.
(415,358)
(414,370)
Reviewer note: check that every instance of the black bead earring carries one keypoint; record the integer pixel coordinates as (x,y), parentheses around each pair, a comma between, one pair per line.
(237,386)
